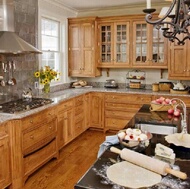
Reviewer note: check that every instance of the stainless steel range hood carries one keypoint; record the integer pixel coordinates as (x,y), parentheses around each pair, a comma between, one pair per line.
(10,42)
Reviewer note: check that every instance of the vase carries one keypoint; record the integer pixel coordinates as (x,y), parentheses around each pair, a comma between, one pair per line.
(46,88)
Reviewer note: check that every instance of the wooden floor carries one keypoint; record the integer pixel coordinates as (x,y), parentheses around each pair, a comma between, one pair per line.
(74,161)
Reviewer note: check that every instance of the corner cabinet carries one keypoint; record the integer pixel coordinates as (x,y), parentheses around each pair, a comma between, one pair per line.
(113,44)
(179,67)
(82,38)
(149,46)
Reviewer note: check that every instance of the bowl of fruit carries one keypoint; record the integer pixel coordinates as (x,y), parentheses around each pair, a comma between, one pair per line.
(132,137)
(162,104)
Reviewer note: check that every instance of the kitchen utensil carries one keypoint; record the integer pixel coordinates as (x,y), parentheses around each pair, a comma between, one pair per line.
(13,70)
(147,162)
(178,86)
(111,83)
(10,82)
(2,80)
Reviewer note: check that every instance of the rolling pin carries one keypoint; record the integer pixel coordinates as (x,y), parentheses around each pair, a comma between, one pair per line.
(147,162)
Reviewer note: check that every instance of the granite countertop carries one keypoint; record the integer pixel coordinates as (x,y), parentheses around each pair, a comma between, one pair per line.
(63,95)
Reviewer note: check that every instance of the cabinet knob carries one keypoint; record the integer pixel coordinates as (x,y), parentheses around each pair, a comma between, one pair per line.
(32,136)
(50,127)
(31,121)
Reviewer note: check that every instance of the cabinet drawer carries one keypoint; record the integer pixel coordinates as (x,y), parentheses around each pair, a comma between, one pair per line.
(79,100)
(65,106)
(119,114)
(128,99)
(122,107)
(79,127)
(38,118)
(114,123)
(35,160)
(37,136)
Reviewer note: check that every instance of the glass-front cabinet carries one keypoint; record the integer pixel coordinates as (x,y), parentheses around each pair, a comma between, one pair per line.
(113,44)
(149,46)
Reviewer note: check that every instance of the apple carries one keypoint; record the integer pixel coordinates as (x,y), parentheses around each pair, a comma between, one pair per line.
(158,101)
(174,101)
(162,98)
(154,101)
(167,100)
(176,113)
(164,102)
(171,111)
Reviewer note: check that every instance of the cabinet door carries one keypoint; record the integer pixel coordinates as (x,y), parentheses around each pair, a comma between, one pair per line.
(4,161)
(87,110)
(179,67)
(88,54)
(65,127)
(140,44)
(150,47)
(75,60)
(96,117)
(105,43)
(121,42)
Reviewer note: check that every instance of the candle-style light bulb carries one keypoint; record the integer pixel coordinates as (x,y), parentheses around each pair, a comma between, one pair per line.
(148,4)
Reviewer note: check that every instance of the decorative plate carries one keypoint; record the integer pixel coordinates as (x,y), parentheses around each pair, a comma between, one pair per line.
(179,139)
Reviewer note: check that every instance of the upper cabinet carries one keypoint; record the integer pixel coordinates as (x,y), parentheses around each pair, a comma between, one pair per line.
(149,46)
(113,44)
(82,38)
(178,66)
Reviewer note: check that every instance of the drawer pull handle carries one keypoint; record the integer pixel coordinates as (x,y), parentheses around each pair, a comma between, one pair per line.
(31,136)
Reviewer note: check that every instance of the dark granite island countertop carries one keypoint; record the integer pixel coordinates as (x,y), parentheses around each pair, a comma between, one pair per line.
(95,177)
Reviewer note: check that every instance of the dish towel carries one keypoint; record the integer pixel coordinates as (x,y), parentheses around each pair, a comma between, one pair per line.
(110,140)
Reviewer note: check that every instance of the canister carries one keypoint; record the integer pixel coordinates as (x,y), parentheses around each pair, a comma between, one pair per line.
(155,87)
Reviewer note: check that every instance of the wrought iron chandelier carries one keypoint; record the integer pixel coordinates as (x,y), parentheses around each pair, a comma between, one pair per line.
(173,20)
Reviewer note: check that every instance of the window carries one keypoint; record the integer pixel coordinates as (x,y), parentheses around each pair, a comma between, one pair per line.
(50,43)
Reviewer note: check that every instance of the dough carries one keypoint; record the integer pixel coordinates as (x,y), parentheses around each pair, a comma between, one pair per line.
(129,175)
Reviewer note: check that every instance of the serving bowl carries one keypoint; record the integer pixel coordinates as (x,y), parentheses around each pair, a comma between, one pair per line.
(133,137)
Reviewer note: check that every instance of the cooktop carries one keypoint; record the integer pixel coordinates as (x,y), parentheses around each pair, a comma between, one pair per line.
(20,105)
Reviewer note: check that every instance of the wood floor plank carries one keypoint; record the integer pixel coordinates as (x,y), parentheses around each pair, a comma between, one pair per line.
(75,159)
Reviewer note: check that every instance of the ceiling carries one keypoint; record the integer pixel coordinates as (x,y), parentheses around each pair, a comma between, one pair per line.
(82,5)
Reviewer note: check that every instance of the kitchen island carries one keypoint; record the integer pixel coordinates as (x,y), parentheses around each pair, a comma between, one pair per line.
(96,178)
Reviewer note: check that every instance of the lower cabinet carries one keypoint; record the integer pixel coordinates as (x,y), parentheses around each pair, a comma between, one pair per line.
(65,122)
(120,108)
(96,110)
(5,173)
(33,143)
(79,116)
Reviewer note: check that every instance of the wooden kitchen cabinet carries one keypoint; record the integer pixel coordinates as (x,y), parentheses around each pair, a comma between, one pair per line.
(82,39)
(87,110)
(79,115)
(65,122)
(33,143)
(113,42)
(149,46)
(97,109)
(178,56)
(120,108)
(5,161)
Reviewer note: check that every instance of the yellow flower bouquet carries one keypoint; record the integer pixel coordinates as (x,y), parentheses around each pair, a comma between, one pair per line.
(45,75)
